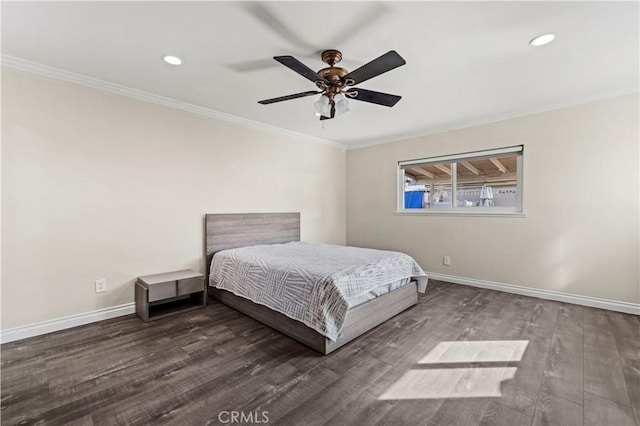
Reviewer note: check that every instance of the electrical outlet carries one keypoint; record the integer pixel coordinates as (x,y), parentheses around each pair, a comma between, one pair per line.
(446,261)
(101,285)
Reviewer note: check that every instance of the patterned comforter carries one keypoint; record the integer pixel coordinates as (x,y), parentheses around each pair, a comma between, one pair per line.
(308,282)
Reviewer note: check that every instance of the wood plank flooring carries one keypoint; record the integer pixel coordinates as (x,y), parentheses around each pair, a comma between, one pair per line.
(462,356)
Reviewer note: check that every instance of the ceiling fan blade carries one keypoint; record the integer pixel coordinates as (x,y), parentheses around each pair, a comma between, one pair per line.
(288,97)
(300,68)
(366,15)
(270,19)
(384,63)
(373,97)
(262,64)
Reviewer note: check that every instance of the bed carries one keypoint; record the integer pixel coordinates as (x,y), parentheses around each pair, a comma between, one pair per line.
(237,237)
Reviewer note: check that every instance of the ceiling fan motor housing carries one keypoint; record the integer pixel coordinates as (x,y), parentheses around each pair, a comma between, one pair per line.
(332,73)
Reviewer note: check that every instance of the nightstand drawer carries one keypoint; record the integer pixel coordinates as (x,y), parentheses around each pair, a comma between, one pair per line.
(170,293)
(190,285)
(162,291)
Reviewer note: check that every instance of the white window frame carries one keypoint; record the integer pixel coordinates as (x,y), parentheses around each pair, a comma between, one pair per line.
(454,210)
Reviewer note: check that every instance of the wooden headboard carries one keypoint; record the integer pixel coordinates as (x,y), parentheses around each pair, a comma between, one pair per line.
(227,231)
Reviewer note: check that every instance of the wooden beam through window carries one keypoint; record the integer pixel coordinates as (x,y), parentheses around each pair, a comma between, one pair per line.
(443,168)
(473,169)
(410,175)
(425,172)
(504,177)
(499,165)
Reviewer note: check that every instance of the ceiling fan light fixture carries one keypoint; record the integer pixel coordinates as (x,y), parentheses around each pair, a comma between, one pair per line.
(342,104)
(172,60)
(542,39)
(323,106)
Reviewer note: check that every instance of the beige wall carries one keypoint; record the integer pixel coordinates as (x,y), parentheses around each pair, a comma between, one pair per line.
(96,185)
(581,186)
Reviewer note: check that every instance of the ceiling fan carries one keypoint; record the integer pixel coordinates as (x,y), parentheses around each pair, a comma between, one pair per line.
(334,82)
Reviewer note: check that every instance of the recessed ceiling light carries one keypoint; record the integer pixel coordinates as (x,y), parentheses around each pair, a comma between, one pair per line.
(542,39)
(173,60)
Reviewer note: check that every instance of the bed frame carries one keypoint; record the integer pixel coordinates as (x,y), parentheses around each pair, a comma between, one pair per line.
(226,231)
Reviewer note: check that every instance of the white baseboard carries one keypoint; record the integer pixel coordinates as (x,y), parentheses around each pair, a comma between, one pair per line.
(31,330)
(594,302)
(22,332)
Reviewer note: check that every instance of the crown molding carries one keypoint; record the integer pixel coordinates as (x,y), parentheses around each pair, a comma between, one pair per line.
(497,118)
(83,80)
(107,86)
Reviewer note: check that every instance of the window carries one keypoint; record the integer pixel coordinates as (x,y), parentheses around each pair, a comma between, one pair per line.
(483,182)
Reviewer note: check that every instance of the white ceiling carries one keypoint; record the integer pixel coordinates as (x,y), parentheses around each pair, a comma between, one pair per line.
(467,62)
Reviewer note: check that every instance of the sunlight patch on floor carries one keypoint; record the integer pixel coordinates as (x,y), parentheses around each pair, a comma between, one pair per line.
(476,351)
(450,383)
(448,371)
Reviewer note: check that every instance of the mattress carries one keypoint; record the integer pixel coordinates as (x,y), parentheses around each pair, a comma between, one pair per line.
(377,292)
(315,284)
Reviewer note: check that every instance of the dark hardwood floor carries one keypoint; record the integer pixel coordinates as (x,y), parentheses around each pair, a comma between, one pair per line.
(462,356)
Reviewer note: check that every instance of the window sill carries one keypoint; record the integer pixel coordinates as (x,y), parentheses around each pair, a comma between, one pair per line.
(459,213)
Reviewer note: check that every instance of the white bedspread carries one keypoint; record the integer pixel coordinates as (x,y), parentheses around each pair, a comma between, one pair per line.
(308,282)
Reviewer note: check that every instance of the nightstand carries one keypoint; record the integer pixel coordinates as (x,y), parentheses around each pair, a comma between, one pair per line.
(171,293)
